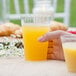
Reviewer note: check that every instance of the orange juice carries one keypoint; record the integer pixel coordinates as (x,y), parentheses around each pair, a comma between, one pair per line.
(34,50)
(70,55)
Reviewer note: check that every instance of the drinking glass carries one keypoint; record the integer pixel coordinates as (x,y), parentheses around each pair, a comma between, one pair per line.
(69,48)
(33,27)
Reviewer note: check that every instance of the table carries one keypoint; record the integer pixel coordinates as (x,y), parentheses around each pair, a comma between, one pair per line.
(19,67)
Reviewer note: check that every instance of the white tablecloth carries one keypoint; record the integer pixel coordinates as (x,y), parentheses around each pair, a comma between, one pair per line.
(20,67)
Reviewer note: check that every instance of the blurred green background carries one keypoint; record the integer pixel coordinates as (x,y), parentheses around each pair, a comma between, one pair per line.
(60,8)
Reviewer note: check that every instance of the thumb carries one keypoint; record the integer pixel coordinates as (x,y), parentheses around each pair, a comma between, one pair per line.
(52,35)
(49,36)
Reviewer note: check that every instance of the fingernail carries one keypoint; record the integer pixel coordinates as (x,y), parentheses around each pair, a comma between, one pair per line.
(41,39)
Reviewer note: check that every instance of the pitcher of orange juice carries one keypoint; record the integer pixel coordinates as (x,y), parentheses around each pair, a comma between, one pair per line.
(34,26)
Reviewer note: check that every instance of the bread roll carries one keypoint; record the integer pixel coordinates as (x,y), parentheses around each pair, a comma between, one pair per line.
(18,33)
(12,27)
(57,26)
(4,30)
(9,28)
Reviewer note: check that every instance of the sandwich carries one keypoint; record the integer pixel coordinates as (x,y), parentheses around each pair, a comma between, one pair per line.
(11,40)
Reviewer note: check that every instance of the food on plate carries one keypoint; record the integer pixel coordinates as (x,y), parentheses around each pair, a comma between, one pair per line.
(7,29)
(11,38)
(57,26)
(4,30)
(18,33)
(10,46)
(12,27)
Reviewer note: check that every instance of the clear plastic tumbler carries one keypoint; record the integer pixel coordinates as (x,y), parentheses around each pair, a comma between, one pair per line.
(34,26)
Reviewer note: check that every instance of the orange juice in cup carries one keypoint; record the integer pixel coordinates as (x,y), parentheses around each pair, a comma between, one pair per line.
(33,49)
(69,47)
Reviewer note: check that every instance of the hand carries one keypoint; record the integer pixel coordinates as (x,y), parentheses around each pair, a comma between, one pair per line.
(52,35)
(55,50)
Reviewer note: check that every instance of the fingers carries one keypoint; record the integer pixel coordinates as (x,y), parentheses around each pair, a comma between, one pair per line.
(49,36)
(52,35)
(55,50)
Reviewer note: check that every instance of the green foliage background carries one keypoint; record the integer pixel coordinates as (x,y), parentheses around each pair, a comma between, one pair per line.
(60,8)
